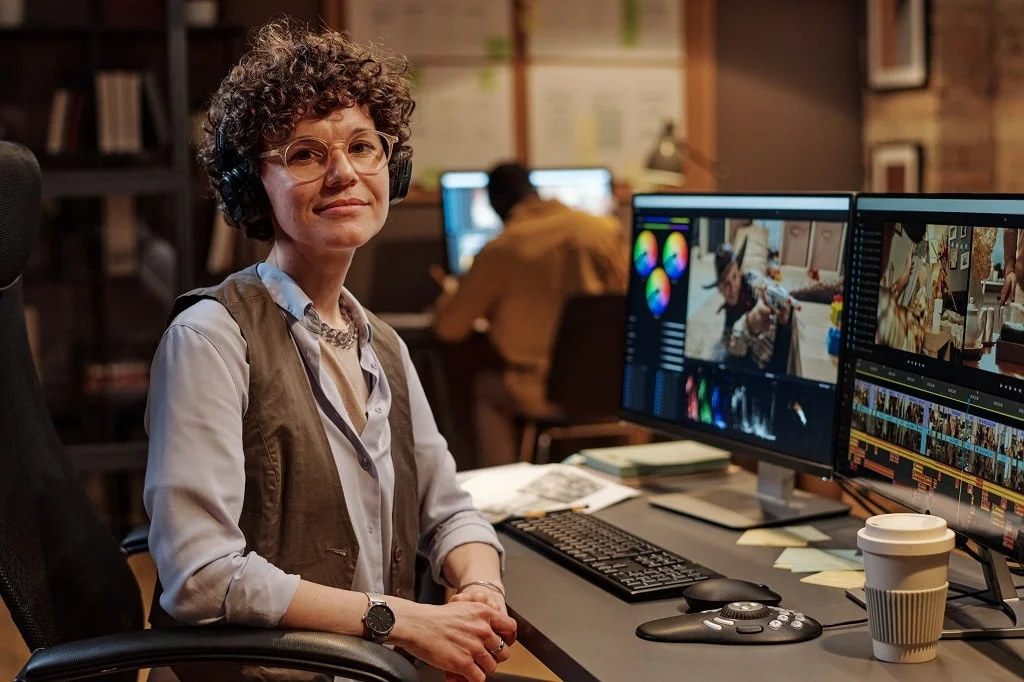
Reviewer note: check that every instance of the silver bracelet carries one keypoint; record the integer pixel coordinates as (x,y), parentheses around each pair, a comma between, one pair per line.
(481,583)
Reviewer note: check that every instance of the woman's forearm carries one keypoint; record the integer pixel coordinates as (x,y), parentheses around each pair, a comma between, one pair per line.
(472,561)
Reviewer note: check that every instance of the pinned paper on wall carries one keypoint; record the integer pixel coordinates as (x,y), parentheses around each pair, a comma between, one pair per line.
(463,119)
(623,30)
(434,28)
(601,115)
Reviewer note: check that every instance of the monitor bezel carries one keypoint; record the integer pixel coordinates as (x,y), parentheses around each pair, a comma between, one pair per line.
(841,449)
(709,434)
(440,198)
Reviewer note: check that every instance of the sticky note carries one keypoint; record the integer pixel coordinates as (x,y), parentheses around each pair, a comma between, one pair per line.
(811,560)
(497,48)
(847,580)
(789,536)
(488,80)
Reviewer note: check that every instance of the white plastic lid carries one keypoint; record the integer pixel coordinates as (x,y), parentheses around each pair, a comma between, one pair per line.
(905,535)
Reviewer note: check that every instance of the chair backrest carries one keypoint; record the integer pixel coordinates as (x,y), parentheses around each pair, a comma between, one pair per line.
(62,573)
(585,377)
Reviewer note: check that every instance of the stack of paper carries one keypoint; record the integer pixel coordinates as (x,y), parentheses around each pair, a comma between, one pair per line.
(518,489)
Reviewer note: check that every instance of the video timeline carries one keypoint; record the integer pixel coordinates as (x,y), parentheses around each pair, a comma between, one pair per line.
(957,458)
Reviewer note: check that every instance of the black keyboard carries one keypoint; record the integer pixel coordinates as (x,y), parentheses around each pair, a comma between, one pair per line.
(617,561)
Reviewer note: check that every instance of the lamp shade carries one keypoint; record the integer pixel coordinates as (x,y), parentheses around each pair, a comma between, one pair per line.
(667,154)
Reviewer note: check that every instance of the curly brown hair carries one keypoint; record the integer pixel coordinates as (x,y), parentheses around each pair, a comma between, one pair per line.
(290,72)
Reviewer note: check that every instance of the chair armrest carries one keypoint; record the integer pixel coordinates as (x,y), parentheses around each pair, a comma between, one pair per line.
(137,540)
(320,652)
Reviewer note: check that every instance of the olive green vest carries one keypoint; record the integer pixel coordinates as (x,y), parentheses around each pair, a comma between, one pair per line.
(289,464)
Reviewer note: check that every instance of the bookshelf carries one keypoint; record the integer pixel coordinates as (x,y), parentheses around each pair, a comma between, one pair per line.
(98,321)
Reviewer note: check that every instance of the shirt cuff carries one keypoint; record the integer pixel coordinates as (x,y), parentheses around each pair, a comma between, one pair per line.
(259,593)
(463,534)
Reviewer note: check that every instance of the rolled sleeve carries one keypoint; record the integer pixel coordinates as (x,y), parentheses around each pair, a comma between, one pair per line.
(448,518)
(195,478)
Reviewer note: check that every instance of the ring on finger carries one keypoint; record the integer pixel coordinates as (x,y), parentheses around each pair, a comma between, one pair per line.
(497,649)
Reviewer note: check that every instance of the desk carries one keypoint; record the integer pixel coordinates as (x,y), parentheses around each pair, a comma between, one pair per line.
(583,633)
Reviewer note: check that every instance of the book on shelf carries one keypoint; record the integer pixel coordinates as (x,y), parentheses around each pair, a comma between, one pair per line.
(120,235)
(655,459)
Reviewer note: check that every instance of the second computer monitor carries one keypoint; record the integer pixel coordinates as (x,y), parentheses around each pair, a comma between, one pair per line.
(470,222)
(933,376)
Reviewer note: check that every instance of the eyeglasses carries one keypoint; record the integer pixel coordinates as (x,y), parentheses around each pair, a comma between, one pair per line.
(308,158)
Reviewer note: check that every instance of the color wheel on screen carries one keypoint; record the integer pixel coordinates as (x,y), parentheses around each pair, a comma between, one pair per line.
(657,292)
(675,256)
(645,253)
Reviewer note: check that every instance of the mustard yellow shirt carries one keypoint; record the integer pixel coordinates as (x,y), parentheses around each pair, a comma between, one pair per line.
(520,281)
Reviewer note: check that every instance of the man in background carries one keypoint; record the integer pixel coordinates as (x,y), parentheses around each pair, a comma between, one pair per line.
(519,284)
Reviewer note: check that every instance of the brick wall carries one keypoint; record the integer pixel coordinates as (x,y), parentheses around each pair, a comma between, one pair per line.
(970,118)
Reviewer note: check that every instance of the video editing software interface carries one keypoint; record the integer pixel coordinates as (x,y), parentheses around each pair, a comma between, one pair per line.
(733,319)
(470,222)
(933,376)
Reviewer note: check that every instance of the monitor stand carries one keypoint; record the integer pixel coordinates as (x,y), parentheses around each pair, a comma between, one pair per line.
(747,501)
(999,591)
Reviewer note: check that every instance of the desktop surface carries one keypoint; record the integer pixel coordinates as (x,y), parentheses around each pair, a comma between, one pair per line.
(581,632)
(470,222)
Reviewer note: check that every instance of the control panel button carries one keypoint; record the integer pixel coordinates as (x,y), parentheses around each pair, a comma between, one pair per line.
(723,621)
(783,617)
(713,626)
(749,629)
(774,625)
(797,624)
(798,616)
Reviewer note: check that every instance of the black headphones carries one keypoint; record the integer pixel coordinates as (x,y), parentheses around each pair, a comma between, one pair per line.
(241,187)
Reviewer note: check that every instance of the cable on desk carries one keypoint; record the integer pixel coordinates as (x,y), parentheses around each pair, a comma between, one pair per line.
(862,498)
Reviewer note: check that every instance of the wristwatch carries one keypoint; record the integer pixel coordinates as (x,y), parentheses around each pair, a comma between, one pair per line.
(379,619)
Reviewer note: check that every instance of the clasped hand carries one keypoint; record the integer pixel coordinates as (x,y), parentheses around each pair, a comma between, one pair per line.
(463,637)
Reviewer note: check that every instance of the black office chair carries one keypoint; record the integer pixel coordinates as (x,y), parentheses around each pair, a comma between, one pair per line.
(585,377)
(63,576)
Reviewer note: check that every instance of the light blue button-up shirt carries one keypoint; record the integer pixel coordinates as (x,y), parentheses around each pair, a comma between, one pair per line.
(195,479)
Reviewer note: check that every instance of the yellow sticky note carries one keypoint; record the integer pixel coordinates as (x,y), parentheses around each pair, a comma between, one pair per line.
(847,580)
(497,48)
(790,536)
(488,80)
(416,76)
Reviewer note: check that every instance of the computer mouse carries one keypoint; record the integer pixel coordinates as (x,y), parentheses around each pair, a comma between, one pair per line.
(715,593)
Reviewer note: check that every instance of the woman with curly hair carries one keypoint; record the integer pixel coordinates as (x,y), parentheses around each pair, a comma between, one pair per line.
(295,469)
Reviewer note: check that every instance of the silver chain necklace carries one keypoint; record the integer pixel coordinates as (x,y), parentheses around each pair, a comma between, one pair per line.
(341,338)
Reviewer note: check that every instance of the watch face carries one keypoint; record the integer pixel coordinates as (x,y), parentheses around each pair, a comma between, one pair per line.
(380,619)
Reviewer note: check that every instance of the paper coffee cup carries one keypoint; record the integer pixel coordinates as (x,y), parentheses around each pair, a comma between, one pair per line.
(905,563)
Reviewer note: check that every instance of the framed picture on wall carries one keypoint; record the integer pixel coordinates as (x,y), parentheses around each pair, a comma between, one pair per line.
(897,43)
(896,168)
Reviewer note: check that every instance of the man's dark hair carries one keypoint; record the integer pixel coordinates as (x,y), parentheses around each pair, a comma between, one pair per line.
(507,185)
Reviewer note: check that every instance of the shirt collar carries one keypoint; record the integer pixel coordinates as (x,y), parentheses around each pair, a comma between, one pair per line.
(290,297)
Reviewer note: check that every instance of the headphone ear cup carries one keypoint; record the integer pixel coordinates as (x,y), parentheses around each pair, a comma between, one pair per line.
(240,189)
(400,175)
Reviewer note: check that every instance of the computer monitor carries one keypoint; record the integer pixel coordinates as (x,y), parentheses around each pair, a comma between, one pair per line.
(932,378)
(470,222)
(732,337)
